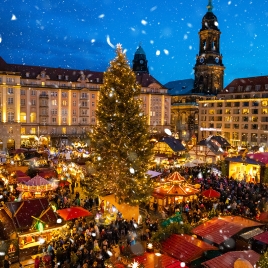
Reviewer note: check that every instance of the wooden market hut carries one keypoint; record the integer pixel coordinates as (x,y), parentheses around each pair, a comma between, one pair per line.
(174,190)
(25,223)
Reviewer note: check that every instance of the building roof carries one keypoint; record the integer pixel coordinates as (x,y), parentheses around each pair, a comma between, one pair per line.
(216,144)
(246,81)
(263,237)
(174,144)
(185,247)
(217,230)
(252,233)
(147,259)
(23,211)
(228,259)
(180,87)
(248,160)
(67,75)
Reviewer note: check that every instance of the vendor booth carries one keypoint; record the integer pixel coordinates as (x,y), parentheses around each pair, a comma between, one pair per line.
(245,168)
(29,224)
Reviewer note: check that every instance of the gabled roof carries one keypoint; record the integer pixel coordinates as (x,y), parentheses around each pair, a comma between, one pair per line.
(145,79)
(147,259)
(185,247)
(216,144)
(23,211)
(228,259)
(174,144)
(217,230)
(239,159)
(180,87)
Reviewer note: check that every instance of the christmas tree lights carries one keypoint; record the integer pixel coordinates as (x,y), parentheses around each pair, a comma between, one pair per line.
(120,140)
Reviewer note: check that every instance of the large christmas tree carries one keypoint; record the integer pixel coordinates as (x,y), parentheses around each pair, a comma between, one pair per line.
(120,140)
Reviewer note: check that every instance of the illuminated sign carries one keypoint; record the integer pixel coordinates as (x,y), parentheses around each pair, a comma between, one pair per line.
(210,129)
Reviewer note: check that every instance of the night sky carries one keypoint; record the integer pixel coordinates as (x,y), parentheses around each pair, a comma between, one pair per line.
(81,34)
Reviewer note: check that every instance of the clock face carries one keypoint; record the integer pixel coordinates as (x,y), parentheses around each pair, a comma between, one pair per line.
(217,60)
(201,60)
(141,61)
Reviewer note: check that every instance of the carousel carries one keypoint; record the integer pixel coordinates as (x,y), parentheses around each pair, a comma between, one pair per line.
(35,187)
(171,191)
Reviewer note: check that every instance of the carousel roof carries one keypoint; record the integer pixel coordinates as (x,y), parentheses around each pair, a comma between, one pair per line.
(175,177)
(180,189)
(37,181)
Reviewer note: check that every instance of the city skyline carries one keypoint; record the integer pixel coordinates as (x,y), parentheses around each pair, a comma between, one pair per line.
(74,35)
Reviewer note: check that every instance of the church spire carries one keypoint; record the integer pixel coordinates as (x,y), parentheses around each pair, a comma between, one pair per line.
(209,6)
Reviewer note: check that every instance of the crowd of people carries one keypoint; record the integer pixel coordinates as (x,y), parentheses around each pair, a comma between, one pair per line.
(86,244)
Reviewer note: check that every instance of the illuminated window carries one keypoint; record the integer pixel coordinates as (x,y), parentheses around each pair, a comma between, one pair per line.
(245,111)
(33,130)
(43,83)
(228,111)
(63,130)
(22,131)
(264,111)
(23,117)
(254,119)
(54,102)
(64,103)
(211,111)
(33,117)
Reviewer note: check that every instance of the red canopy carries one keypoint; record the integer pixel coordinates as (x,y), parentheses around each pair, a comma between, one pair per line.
(73,213)
(37,181)
(63,183)
(210,193)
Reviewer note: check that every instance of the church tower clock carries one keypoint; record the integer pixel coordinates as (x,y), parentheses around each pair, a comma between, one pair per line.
(209,69)
(140,62)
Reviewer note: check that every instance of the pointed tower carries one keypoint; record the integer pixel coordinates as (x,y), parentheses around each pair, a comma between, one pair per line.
(140,62)
(209,69)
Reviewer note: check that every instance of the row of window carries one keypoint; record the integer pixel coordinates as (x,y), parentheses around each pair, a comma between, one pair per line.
(248,88)
(235,104)
(63,131)
(53,102)
(54,94)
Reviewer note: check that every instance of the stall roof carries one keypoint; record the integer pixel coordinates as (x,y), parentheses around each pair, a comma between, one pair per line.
(147,259)
(217,230)
(174,144)
(251,233)
(238,159)
(185,247)
(263,237)
(228,259)
(23,211)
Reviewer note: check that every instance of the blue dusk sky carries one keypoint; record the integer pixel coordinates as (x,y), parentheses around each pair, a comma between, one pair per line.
(82,34)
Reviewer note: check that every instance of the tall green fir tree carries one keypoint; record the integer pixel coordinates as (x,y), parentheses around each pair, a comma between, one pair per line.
(120,141)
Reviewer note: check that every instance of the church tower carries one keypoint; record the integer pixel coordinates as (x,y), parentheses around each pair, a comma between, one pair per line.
(209,69)
(140,62)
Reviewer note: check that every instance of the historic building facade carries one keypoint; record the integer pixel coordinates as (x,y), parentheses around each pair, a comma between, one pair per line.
(239,114)
(208,81)
(55,105)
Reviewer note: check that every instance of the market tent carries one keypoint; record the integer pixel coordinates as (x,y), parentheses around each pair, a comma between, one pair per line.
(73,213)
(153,173)
(217,230)
(148,261)
(263,237)
(211,193)
(197,161)
(261,157)
(189,164)
(228,259)
(63,183)
(185,247)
